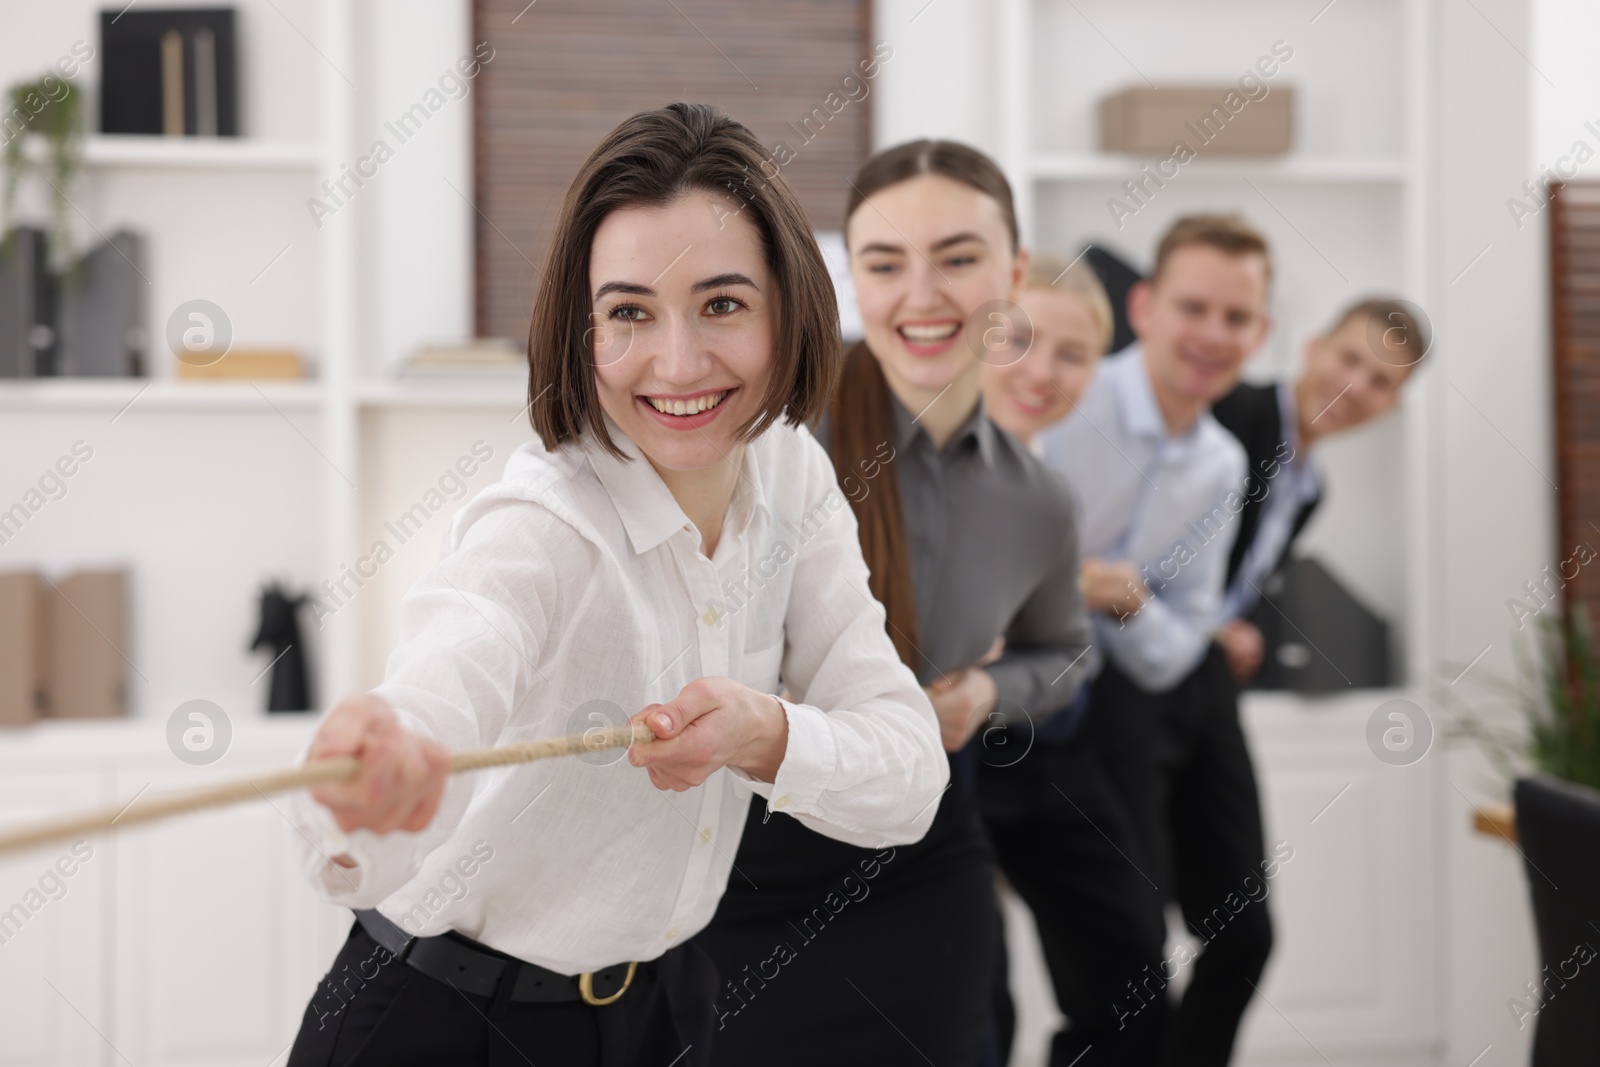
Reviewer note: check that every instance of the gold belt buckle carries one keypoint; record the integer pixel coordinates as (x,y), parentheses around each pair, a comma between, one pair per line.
(586,987)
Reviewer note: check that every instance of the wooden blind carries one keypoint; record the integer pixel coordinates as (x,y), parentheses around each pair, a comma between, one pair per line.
(564,72)
(1575,326)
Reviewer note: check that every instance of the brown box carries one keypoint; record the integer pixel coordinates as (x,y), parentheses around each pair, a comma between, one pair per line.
(1215,119)
(85,627)
(259,363)
(21,647)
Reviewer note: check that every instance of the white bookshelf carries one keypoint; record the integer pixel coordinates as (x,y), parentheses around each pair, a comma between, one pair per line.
(1344,209)
(1347,215)
(227,220)
(205,490)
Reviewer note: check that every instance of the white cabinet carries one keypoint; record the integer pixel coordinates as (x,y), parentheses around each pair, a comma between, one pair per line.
(1352,975)
(190,942)
(1352,972)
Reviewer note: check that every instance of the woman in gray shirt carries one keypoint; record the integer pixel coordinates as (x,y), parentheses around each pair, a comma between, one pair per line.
(837,954)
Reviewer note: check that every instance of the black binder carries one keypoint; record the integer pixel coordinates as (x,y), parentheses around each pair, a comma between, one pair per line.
(102,300)
(1317,637)
(27,305)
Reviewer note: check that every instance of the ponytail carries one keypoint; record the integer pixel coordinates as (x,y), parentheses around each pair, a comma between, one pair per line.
(862,419)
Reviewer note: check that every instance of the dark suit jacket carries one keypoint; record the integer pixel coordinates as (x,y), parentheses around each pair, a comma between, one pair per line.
(1251,414)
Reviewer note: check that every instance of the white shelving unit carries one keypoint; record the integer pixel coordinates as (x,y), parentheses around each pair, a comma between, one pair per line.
(1346,214)
(229,220)
(1344,210)
(205,490)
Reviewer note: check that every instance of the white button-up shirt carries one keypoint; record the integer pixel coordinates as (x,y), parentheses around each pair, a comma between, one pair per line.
(573,593)
(1170,505)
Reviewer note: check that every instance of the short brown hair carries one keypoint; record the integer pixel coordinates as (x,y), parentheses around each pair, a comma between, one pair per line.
(1047,270)
(1399,318)
(650,160)
(1228,234)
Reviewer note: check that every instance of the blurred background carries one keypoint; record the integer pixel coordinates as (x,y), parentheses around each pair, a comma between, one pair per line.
(263,300)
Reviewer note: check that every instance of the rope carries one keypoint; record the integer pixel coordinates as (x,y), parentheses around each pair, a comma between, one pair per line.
(315,773)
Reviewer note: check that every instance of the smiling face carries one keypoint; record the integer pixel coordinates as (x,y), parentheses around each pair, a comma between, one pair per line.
(1346,382)
(1198,322)
(926,253)
(1045,384)
(684,314)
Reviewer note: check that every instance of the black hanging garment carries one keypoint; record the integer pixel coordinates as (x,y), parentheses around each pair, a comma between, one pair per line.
(280,631)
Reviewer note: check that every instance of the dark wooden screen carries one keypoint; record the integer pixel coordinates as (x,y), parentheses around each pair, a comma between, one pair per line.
(1575,328)
(564,72)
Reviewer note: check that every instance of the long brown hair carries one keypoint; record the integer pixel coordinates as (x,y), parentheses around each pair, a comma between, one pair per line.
(652,159)
(861,419)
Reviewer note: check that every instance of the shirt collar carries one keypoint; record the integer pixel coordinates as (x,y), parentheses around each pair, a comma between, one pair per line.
(977,428)
(649,512)
(1136,400)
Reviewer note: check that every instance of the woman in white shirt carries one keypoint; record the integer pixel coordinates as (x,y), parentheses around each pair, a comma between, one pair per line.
(672,543)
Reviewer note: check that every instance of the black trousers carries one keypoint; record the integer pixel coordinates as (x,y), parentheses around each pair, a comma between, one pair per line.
(1069,845)
(1196,804)
(375,1010)
(848,957)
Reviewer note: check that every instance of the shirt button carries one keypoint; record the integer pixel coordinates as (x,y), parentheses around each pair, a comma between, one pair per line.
(672,933)
(709,617)
(781,802)
(705,836)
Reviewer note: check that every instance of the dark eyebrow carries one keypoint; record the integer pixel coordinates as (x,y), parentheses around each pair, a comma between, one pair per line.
(956,239)
(716,282)
(938,246)
(721,280)
(624,287)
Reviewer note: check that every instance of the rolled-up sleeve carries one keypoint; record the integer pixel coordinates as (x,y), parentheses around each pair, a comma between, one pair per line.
(1165,639)
(864,764)
(470,633)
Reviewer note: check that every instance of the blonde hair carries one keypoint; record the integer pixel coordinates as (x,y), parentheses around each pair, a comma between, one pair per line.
(1056,273)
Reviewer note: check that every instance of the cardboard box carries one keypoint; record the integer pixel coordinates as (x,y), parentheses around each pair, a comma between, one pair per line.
(1210,119)
(22,659)
(262,363)
(86,638)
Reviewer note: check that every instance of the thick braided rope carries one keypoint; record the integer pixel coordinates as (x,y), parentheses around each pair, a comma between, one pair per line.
(318,772)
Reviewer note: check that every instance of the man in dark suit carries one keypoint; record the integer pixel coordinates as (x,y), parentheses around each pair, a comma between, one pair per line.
(1352,375)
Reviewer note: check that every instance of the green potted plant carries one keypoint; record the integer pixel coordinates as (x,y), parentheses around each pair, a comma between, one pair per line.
(50,108)
(1553,762)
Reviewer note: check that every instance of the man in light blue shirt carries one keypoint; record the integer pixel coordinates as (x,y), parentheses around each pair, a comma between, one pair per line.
(1155,523)
(1160,488)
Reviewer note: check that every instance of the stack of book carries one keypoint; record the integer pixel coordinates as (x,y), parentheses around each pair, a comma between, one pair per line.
(484,358)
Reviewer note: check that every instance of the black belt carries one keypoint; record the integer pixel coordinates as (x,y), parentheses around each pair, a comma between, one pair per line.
(452,959)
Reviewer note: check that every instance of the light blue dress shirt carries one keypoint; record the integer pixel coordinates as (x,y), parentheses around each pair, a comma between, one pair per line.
(1169,504)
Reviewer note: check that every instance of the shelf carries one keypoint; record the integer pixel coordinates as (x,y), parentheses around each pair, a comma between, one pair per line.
(169,394)
(507,393)
(1093,167)
(191,153)
(141,393)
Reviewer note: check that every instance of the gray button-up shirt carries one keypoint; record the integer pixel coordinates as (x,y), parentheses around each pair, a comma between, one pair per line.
(994,553)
